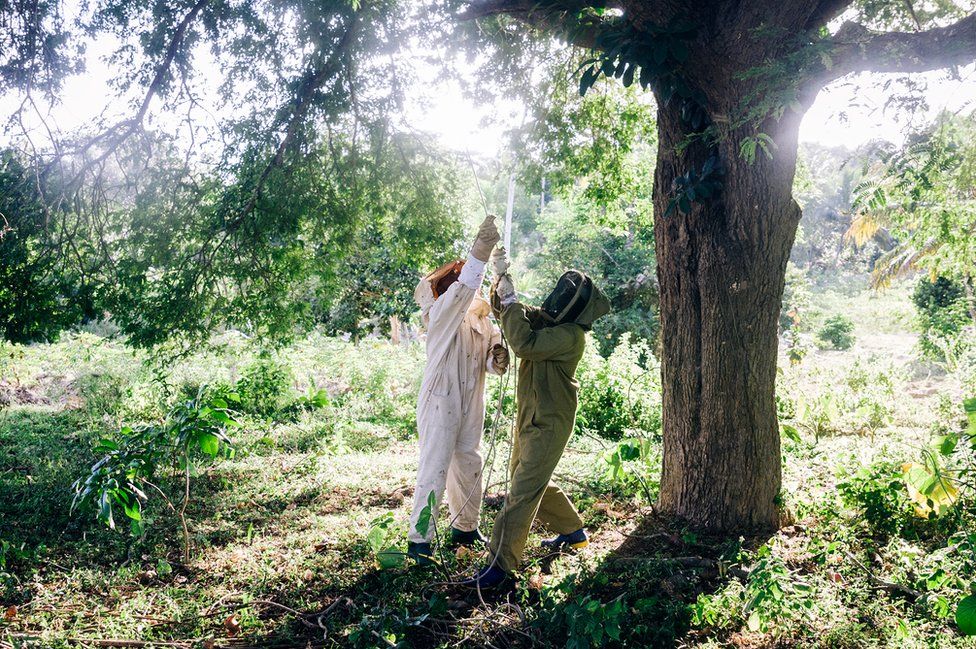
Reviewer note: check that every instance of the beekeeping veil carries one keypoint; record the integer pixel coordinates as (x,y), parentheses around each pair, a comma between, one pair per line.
(575,299)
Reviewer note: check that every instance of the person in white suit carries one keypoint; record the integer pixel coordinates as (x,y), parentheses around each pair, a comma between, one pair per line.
(462,346)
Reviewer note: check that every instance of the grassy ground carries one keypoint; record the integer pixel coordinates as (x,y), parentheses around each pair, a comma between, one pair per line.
(279,551)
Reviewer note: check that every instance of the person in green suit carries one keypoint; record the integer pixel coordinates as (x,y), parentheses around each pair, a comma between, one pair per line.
(549,342)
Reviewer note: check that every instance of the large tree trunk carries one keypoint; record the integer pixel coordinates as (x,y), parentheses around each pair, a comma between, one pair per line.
(721,270)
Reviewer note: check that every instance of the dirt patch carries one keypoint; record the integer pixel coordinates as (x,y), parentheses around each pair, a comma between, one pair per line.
(12,394)
(340,500)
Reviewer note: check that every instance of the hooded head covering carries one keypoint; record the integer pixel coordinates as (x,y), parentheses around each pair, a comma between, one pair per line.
(436,283)
(575,299)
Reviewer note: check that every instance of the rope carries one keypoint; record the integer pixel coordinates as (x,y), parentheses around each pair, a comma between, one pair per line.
(488,465)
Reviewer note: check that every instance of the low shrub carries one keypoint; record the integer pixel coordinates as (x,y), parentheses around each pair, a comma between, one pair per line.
(264,386)
(837,332)
(942,317)
(877,492)
(619,396)
(195,432)
(102,394)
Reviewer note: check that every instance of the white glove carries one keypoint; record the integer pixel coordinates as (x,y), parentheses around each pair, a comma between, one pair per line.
(499,261)
(505,290)
(486,239)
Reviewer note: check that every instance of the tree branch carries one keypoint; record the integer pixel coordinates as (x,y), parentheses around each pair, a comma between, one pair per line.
(300,107)
(116,135)
(857,49)
(826,10)
(556,17)
(484,8)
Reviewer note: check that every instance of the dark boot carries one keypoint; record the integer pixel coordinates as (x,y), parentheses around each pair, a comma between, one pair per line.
(574,540)
(420,552)
(488,578)
(459,537)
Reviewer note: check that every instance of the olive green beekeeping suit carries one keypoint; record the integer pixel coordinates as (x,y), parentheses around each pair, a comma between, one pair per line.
(546,413)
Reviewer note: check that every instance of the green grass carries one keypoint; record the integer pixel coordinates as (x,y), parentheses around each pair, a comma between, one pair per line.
(284,523)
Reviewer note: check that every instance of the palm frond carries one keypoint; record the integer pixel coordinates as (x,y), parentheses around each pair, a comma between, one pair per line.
(899,262)
(863,227)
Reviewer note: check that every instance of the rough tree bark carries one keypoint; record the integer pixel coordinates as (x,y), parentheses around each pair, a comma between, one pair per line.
(721,269)
(722,263)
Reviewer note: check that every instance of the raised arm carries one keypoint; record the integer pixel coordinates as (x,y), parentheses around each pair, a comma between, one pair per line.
(550,343)
(447,312)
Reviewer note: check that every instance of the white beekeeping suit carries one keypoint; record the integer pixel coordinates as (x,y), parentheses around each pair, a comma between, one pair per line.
(451,406)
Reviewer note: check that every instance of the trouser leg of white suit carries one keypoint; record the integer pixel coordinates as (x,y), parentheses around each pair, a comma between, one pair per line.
(437,443)
(464,478)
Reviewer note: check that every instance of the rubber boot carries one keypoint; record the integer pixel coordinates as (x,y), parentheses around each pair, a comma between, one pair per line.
(420,552)
(574,540)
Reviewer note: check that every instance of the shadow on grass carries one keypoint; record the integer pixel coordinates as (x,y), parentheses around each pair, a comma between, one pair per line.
(657,574)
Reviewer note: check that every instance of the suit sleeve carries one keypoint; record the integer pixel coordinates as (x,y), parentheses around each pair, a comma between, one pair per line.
(447,312)
(550,343)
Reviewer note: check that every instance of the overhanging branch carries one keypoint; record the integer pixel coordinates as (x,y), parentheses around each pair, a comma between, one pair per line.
(825,11)
(558,17)
(857,49)
(484,8)
(115,136)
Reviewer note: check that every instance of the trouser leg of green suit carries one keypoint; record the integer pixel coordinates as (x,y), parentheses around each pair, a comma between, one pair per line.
(532,494)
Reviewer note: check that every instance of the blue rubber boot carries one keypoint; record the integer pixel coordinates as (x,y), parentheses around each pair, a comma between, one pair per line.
(574,540)
(487,578)
(420,552)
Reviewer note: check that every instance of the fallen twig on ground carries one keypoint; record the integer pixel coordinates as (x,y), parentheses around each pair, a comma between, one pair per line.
(114,642)
(906,592)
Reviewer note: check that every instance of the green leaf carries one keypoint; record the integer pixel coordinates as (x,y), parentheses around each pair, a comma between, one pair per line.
(423,520)
(747,150)
(948,444)
(105,445)
(105,510)
(137,528)
(225,419)
(969,405)
(629,451)
(209,444)
(376,538)
(163,568)
(966,615)
(790,433)
(133,510)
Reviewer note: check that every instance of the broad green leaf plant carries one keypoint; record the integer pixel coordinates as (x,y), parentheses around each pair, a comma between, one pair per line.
(138,460)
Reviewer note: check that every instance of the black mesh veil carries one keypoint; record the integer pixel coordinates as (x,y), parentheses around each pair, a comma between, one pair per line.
(569,298)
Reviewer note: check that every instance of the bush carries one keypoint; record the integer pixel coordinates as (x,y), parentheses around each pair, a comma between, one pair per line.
(869,398)
(264,386)
(837,332)
(943,315)
(877,492)
(620,395)
(194,432)
(102,394)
